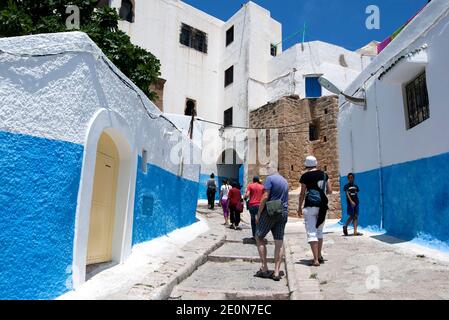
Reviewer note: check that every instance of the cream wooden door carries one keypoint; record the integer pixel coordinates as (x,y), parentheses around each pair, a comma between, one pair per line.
(103,207)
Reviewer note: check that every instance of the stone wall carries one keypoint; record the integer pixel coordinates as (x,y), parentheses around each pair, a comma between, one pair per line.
(158,88)
(295,145)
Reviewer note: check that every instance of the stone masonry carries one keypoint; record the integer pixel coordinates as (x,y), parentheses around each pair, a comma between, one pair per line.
(295,144)
(158,88)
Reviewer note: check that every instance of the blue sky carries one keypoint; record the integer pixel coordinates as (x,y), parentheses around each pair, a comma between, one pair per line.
(341,22)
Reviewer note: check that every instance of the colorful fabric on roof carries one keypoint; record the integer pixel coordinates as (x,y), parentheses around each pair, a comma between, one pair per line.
(381,46)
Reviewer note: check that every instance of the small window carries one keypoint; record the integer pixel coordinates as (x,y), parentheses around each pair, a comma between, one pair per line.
(193,38)
(417,101)
(313,132)
(229,76)
(274,50)
(190,109)
(144,161)
(230,36)
(228,118)
(313,87)
(127,11)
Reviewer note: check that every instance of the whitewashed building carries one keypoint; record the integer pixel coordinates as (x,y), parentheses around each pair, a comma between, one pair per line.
(224,69)
(398,145)
(87,168)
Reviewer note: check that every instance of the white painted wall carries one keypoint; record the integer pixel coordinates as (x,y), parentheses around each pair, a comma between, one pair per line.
(398,144)
(189,73)
(310,58)
(91,97)
(199,76)
(258,77)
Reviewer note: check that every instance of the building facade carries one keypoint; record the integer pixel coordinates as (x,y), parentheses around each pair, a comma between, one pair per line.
(307,127)
(87,168)
(220,71)
(397,145)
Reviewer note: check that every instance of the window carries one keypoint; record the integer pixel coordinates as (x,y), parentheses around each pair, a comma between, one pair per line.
(274,50)
(417,101)
(313,87)
(103,3)
(193,38)
(127,11)
(229,76)
(230,36)
(228,118)
(190,109)
(314,131)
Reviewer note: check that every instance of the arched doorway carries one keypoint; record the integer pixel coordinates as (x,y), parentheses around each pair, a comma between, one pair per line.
(230,167)
(108,135)
(103,207)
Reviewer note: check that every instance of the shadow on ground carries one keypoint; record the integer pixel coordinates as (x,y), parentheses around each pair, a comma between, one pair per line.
(389,239)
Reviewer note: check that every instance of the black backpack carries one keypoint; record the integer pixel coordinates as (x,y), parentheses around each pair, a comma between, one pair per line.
(316,198)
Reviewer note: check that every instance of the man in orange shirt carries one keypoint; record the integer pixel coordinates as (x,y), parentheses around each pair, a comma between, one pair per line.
(254,192)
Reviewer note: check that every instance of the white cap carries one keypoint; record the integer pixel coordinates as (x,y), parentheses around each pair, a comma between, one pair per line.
(310,162)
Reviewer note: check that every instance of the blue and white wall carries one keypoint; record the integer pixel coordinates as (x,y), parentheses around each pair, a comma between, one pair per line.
(403,174)
(53,109)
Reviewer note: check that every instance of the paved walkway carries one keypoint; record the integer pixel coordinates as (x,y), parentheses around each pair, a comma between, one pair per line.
(229,270)
(211,261)
(371,267)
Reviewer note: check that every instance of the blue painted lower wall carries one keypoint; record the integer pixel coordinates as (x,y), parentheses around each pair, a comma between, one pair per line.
(163,203)
(415,198)
(202,191)
(39,181)
(39,184)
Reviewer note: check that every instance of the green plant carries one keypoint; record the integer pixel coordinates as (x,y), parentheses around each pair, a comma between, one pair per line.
(24,17)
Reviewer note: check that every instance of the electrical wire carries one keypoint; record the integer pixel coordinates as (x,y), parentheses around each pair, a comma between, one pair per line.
(261,128)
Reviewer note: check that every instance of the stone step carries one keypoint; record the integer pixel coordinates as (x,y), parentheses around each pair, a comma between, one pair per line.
(236,251)
(244,235)
(230,280)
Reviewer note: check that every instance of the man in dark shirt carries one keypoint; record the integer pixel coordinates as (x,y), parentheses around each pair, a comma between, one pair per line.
(352,200)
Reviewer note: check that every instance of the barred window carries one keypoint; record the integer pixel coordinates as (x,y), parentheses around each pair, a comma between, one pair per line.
(417,101)
(193,38)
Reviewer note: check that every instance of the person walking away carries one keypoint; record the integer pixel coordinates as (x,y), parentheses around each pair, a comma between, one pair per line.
(352,201)
(224,201)
(211,190)
(313,182)
(235,203)
(272,216)
(253,195)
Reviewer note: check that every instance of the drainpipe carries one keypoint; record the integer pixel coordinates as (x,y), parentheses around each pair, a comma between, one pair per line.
(379,150)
